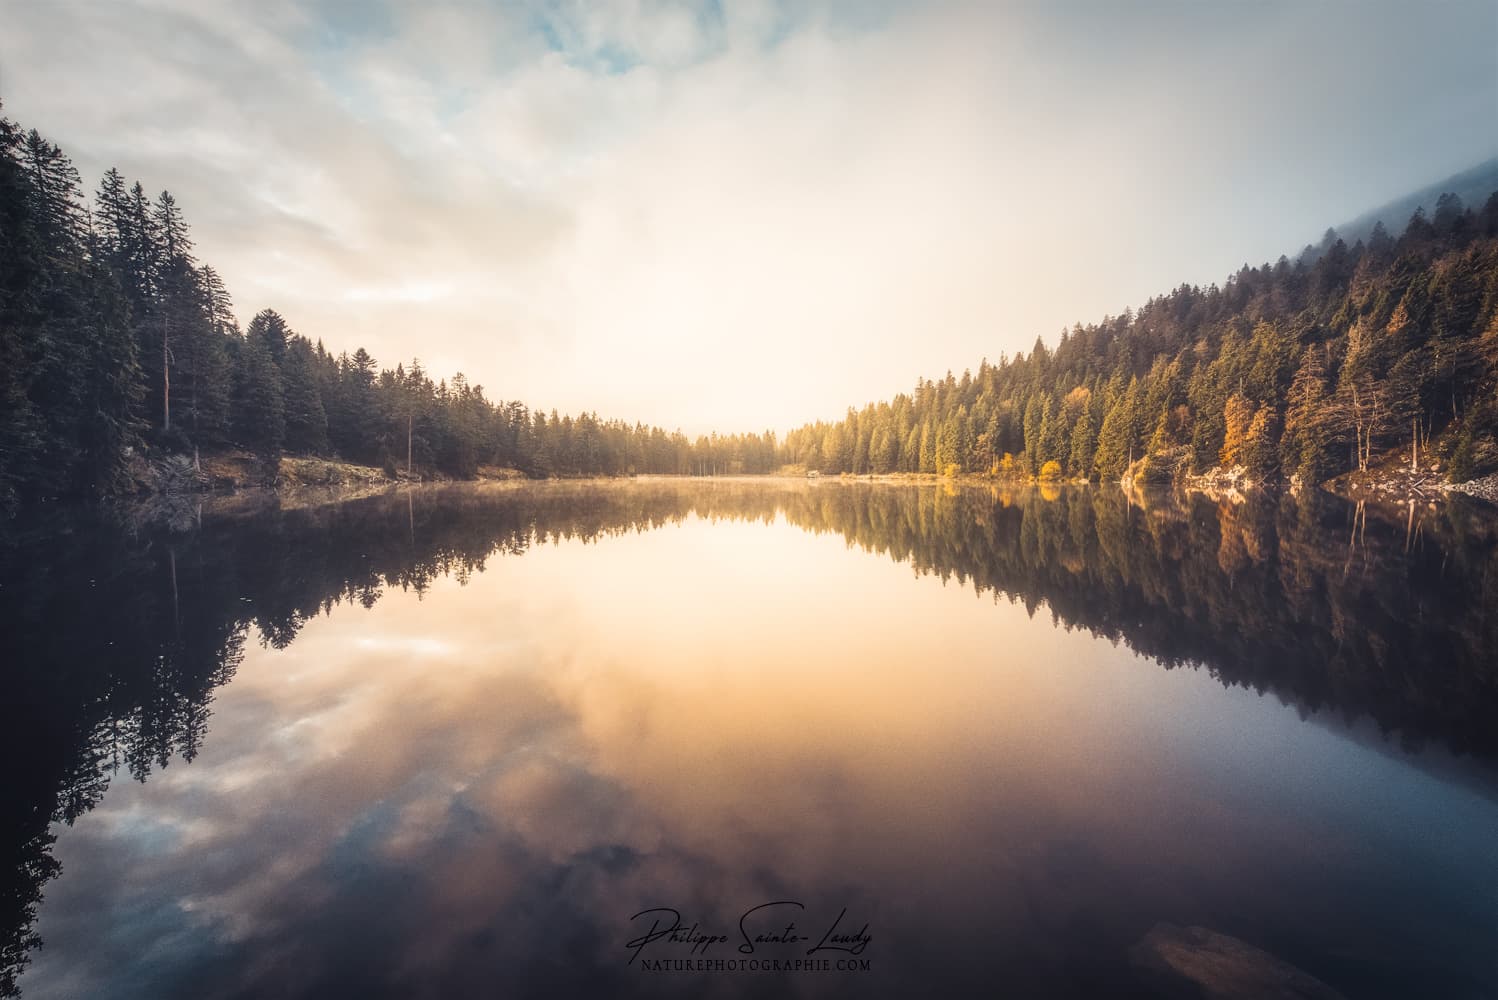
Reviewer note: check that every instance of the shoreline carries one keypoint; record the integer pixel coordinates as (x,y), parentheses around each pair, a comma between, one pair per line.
(171,490)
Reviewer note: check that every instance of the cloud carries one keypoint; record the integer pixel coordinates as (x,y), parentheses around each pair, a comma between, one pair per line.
(742,215)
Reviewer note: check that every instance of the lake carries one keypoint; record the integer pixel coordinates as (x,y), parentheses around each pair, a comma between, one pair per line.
(893,740)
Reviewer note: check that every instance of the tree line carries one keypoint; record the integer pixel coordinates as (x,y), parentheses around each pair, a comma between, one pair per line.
(114,337)
(1307,369)
(116,341)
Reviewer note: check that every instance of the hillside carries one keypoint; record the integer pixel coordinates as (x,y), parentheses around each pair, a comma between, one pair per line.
(1471,186)
(1305,369)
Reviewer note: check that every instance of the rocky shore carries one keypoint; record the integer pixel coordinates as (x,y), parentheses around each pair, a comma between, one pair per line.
(1392,481)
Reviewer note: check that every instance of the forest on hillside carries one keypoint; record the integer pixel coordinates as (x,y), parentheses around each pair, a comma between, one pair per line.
(1307,369)
(115,338)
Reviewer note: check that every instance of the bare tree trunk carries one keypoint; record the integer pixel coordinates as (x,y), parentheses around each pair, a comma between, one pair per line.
(1359,516)
(172,558)
(410,418)
(166,377)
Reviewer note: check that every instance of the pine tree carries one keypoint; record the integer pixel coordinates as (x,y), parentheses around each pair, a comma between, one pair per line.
(1258,449)
(1305,444)
(910,450)
(271,331)
(111,388)
(948,448)
(260,407)
(1116,440)
(1035,411)
(1237,416)
(306,419)
(1083,445)
(355,430)
(207,328)
(22,424)
(179,312)
(1055,444)
(140,277)
(52,314)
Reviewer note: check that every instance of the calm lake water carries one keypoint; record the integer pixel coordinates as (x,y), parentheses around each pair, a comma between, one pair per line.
(452,742)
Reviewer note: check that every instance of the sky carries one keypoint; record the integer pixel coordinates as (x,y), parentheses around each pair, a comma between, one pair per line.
(738,216)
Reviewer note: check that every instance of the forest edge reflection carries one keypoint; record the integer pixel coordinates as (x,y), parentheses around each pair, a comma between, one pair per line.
(128,629)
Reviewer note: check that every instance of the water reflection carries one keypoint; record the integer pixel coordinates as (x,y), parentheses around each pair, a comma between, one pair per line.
(678,699)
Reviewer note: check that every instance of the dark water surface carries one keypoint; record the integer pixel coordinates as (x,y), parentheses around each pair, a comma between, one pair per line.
(448,743)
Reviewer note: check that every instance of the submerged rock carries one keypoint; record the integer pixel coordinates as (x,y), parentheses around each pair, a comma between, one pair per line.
(1197,962)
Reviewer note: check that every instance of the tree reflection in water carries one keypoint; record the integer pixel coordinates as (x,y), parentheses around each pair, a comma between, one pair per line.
(120,632)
